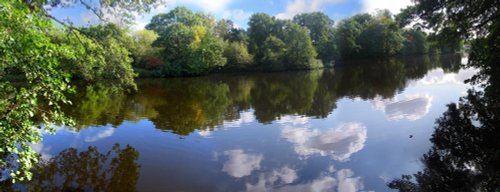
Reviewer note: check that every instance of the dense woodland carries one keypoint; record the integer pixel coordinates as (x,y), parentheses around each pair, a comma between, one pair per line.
(182,42)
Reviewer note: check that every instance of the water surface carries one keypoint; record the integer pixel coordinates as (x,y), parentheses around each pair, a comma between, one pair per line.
(352,128)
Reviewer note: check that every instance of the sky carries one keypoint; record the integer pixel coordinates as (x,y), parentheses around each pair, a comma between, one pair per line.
(239,11)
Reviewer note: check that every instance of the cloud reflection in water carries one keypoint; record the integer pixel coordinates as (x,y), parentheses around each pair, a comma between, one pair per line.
(339,143)
(412,107)
(240,164)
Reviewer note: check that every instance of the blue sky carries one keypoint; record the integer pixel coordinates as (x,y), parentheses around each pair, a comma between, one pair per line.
(240,10)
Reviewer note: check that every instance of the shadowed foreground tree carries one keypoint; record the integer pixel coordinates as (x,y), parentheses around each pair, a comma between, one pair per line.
(30,49)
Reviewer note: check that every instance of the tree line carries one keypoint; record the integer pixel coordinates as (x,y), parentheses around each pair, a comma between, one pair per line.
(184,43)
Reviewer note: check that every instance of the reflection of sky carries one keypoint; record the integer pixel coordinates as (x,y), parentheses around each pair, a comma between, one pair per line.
(283,179)
(339,143)
(240,164)
(102,134)
(245,117)
(367,142)
(438,76)
(412,107)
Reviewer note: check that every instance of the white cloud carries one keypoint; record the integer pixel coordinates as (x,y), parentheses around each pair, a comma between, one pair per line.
(142,20)
(216,7)
(212,6)
(107,132)
(392,5)
(304,6)
(412,107)
(339,143)
(240,164)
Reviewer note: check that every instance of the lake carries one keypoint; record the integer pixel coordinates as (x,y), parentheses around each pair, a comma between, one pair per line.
(351,128)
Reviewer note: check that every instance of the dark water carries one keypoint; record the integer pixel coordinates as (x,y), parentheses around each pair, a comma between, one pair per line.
(351,128)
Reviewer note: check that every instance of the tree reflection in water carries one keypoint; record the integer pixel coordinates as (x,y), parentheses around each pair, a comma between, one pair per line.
(90,170)
(465,155)
(183,105)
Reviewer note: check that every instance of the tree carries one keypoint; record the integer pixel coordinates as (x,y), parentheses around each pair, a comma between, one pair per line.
(464,155)
(237,55)
(223,28)
(208,55)
(381,37)
(300,53)
(104,54)
(346,35)
(273,51)
(189,44)
(320,28)
(260,27)
(458,19)
(145,55)
(415,42)
(26,48)
(31,48)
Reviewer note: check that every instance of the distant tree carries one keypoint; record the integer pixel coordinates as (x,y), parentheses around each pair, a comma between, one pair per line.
(346,35)
(415,42)
(300,53)
(223,28)
(260,27)
(273,52)
(381,36)
(145,55)
(320,28)
(237,55)
(238,35)
(280,44)
(367,36)
(189,44)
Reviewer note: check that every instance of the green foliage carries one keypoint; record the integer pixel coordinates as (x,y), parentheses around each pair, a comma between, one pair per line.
(367,36)
(223,29)
(145,55)
(45,56)
(207,55)
(189,45)
(381,36)
(406,16)
(273,51)
(320,28)
(267,36)
(415,43)
(259,29)
(237,55)
(100,52)
(26,47)
(300,53)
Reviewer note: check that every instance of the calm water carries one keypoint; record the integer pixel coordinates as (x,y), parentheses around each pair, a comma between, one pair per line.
(346,129)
